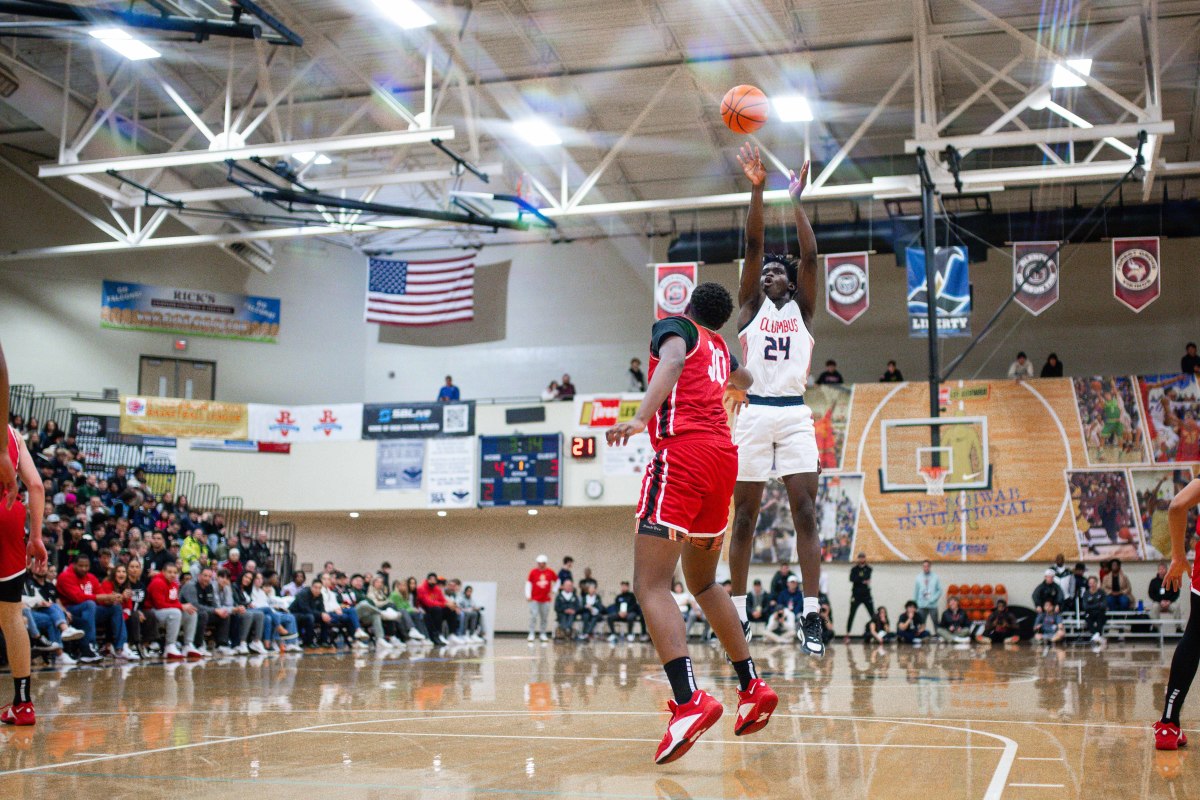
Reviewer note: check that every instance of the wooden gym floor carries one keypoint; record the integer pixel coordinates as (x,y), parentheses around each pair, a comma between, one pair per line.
(513,720)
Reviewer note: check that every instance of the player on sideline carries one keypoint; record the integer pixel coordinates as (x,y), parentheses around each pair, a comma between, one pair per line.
(774,428)
(1167,734)
(683,510)
(15,556)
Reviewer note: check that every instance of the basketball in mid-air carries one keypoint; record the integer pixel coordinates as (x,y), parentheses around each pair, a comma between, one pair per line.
(744,109)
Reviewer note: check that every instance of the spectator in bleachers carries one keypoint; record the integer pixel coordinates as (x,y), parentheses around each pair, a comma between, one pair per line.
(1062,574)
(1162,599)
(247,624)
(955,623)
(566,389)
(1053,368)
(1095,609)
(928,593)
(339,584)
(625,609)
(470,626)
(1190,363)
(1076,588)
(566,609)
(565,573)
(1047,591)
(1021,368)
(637,378)
(781,627)
(1047,627)
(792,597)
(432,601)
(758,603)
(259,551)
(308,609)
(369,615)
(102,564)
(550,393)
(879,628)
(1000,626)
(410,615)
(910,627)
(297,585)
(891,374)
(393,621)
(50,618)
(168,608)
(233,565)
(200,593)
(1116,586)
(593,609)
(780,578)
(279,626)
(194,552)
(80,593)
(539,594)
(831,374)
(449,392)
(133,595)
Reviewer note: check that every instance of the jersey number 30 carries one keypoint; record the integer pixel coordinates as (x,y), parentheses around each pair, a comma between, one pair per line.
(718,370)
(781,345)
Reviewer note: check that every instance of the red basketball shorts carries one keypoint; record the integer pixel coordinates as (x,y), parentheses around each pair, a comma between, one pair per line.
(12,541)
(687,490)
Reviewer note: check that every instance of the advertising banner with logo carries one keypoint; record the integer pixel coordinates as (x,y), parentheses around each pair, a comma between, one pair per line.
(450,473)
(399,465)
(330,422)
(605,410)
(183,419)
(952,294)
(1037,264)
(673,285)
(199,312)
(417,420)
(847,287)
(241,446)
(1137,273)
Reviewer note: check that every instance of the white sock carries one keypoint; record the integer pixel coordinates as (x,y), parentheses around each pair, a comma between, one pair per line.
(812,605)
(739,602)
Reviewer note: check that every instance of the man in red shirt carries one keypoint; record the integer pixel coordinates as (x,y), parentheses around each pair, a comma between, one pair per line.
(539,589)
(432,599)
(162,601)
(79,591)
(684,510)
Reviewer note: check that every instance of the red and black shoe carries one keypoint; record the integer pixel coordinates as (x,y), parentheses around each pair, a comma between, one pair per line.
(688,723)
(1168,736)
(755,706)
(20,714)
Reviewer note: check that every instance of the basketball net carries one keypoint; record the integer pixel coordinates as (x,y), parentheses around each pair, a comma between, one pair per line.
(935,480)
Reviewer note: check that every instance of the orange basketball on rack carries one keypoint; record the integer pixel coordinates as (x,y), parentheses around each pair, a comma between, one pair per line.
(744,109)
(976,588)
(987,588)
(1000,589)
(952,589)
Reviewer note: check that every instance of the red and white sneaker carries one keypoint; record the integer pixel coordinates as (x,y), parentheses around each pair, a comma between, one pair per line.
(688,723)
(755,707)
(20,714)
(1168,736)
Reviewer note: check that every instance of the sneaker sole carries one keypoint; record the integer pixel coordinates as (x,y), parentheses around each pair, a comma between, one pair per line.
(812,654)
(756,725)
(681,749)
(19,724)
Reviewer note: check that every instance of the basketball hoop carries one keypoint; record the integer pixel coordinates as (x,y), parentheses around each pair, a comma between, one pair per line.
(935,480)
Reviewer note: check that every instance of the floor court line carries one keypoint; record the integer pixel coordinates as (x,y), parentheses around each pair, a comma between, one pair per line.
(1035,786)
(1040,758)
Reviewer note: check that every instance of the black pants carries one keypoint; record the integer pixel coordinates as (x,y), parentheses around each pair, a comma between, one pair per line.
(304,627)
(1096,620)
(855,602)
(435,617)
(141,632)
(220,628)
(1183,665)
(615,618)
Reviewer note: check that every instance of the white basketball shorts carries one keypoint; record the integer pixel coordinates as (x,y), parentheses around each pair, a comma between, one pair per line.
(774,441)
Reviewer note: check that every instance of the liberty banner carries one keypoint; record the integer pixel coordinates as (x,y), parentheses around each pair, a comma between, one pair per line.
(847,287)
(1137,273)
(952,293)
(317,423)
(199,312)
(183,419)
(673,285)
(1035,275)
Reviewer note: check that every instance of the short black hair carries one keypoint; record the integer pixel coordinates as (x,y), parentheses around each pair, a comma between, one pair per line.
(711,305)
(789,265)
(1021,354)
(431,575)
(911,604)
(1189,344)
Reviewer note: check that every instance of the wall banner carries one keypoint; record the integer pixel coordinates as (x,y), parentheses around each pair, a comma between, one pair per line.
(952,294)
(315,423)
(417,420)
(198,312)
(399,465)
(847,286)
(450,473)
(605,410)
(183,419)
(1037,264)
(1137,273)
(673,285)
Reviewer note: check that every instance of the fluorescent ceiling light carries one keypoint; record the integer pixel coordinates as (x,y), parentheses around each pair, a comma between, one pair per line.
(533,512)
(353,515)
(441,513)
(319,159)
(793,108)
(405,13)
(537,132)
(263,513)
(123,43)
(1064,78)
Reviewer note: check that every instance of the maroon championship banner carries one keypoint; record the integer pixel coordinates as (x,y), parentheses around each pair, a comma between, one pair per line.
(847,286)
(1035,263)
(1137,273)
(673,285)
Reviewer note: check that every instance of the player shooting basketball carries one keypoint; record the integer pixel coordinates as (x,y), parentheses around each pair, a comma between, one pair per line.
(1167,735)
(774,428)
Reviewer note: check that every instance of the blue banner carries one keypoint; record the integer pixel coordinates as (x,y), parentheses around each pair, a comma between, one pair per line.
(196,312)
(953,292)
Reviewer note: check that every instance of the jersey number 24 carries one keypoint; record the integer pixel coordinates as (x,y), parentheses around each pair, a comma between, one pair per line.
(781,345)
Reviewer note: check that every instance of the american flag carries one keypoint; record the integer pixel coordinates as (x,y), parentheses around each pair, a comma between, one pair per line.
(414,293)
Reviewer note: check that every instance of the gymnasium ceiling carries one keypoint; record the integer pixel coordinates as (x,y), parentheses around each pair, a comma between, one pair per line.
(631,86)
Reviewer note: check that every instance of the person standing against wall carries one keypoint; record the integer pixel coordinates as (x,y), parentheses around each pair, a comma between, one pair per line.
(539,591)
(860,591)
(927,592)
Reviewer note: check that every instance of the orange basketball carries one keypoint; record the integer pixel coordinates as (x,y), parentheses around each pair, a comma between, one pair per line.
(976,588)
(1000,589)
(744,109)
(987,588)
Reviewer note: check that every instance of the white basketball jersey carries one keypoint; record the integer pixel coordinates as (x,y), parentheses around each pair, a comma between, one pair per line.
(777,349)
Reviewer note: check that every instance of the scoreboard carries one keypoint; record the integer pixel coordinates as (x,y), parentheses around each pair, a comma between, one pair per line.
(520,470)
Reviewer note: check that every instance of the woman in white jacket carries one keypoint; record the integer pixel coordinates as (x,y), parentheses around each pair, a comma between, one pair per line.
(279,624)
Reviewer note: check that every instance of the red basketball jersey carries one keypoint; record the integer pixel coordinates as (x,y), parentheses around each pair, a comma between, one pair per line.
(695,404)
(14,452)
(12,524)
